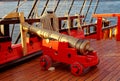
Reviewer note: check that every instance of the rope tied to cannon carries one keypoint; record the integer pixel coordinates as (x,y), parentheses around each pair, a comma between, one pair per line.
(49,21)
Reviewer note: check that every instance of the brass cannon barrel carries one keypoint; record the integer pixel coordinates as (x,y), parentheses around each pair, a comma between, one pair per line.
(83,46)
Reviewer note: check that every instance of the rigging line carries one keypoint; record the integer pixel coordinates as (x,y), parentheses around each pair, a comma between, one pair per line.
(18,37)
(56,5)
(14,24)
(19,6)
(35,10)
(65,6)
(60,7)
(46,4)
(34,5)
(97,2)
(15,8)
(83,5)
(71,6)
(87,10)
(51,5)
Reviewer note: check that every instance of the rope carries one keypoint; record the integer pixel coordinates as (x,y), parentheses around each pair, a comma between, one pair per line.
(68,23)
(15,9)
(67,14)
(49,21)
(18,37)
(78,22)
(87,10)
(35,13)
(19,5)
(45,7)
(33,7)
(83,5)
(94,11)
(14,24)
(61,6)
(66,7)
(71,6)
(56,6)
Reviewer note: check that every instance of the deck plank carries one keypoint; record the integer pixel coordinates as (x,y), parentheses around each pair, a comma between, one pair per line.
(107,70)
(62,77)
(24,67)
(100,71)
(91,71)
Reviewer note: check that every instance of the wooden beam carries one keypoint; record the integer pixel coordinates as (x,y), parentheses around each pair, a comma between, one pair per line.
(71,17)
(17,21)
(4,29)
(23,34)
(106,15)
(12,15)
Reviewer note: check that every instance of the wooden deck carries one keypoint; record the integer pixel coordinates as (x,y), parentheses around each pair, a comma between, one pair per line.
(108,69)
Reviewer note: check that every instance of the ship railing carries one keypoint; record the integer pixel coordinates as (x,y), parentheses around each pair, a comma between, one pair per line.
(72,19)
(110,30)
(91,30)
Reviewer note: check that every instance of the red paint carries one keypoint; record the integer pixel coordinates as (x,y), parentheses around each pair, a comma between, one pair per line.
(99,24)
(75,33)
(99,28)
(92,36)
(33,45)
(9,53)
(61,52)
(118,29)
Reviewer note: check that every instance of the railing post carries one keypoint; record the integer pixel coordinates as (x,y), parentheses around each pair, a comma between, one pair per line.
(118,29)
(23,34)
(99,28)
(69,24)
(4,29)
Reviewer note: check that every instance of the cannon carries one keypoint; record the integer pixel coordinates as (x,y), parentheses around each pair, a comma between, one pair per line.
(82,46)
(59,47)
